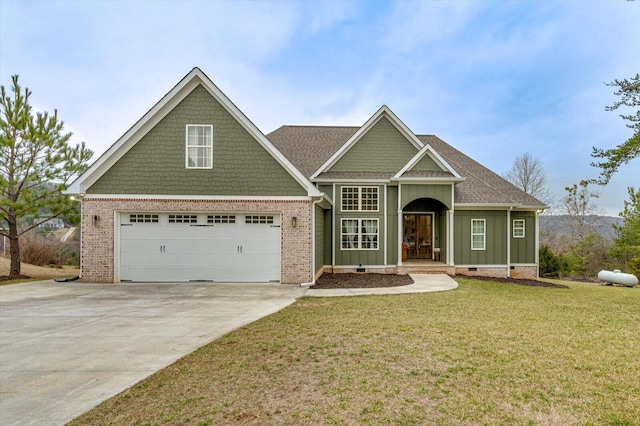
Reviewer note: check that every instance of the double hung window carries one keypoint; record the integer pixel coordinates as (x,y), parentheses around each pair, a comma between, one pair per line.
(359,234)
(518,228)
(199,146)
(478,234)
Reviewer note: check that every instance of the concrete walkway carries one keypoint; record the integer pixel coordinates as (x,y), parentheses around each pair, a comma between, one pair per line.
(422,283)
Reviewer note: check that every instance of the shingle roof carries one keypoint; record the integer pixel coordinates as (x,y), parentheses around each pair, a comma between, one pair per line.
(309,147)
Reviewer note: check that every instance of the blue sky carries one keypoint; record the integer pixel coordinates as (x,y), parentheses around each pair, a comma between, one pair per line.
(495,79)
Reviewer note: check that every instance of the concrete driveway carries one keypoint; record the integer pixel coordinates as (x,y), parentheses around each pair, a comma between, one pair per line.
(65,347)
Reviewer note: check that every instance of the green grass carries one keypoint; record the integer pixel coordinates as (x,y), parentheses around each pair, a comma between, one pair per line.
(485,353)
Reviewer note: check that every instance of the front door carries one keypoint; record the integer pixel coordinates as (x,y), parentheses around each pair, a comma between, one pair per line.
(418,236)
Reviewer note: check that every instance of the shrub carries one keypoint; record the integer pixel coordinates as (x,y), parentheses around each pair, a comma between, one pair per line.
(549,263)
(44,250)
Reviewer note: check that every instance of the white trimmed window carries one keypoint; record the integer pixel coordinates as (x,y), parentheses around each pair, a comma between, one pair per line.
(359,234)
(518,228)
(199,146)
(360,198)
(478,234)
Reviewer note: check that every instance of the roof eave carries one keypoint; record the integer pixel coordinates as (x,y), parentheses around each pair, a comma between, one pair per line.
(501,206)
(416,179)
(349,180)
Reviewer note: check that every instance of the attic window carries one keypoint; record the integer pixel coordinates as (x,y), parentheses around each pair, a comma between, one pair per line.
(199,146)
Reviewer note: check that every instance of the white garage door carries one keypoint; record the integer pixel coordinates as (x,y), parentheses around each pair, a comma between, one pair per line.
(215,247)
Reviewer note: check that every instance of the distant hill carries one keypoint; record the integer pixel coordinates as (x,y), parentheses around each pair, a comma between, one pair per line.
(558,225)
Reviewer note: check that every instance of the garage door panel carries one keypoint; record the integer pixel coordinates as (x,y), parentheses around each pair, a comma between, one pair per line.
(232,252)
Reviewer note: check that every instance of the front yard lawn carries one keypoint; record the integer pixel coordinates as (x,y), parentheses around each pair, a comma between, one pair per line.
(486,353)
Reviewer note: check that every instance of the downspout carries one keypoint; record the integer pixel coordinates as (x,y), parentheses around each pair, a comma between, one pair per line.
(313,242)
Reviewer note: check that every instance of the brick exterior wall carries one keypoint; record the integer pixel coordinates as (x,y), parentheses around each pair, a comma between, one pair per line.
(98,246)
(494,272)
(525,272)
(520,272)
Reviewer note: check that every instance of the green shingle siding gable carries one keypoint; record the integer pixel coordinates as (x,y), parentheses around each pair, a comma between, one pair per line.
(156,164)
(382,149)
(426,164)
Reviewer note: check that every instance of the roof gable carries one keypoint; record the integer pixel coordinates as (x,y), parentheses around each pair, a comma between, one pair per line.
(382,144)
(164,107)
(428,164)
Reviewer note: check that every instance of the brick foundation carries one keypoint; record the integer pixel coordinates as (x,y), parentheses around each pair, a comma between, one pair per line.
(97,260)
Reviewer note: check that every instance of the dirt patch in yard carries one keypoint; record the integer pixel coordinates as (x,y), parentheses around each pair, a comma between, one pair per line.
(361,281)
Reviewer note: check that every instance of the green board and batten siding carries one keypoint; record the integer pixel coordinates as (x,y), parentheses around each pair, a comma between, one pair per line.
(359,257)
(392,225)
(523,250)
(156,164)
(382,149)
(495,252)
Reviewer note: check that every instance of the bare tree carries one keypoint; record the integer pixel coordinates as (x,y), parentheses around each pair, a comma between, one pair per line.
(527,173)
(579,204)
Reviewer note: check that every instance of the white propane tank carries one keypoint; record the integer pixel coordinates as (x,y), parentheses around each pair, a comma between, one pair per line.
(617,277)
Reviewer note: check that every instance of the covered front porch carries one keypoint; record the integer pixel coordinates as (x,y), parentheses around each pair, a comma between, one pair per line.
(425,235)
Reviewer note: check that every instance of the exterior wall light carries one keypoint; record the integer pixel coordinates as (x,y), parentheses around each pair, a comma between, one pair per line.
(294,221)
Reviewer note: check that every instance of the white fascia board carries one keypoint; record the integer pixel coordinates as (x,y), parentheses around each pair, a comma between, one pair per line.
(195,197)
(478,206)
(428,180)
(532,208)
(384,111)
(354,181)
(159,111)
(327,198)
(428,150)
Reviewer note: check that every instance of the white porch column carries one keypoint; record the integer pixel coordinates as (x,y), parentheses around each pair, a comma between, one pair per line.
(399,241)
(450,238)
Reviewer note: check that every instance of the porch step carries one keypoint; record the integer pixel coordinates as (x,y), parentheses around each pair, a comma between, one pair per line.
(427,269)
